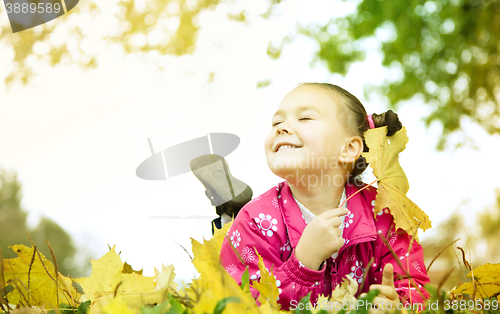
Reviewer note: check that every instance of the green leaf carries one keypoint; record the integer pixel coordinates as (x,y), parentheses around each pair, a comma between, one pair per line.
(64,308)
(245,280)
(84,307)
(154,309)
(221,305)
(175,307)
(150,309)
(302,307)
(368,298)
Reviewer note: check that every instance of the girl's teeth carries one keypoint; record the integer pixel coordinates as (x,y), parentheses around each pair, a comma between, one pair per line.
(286,146)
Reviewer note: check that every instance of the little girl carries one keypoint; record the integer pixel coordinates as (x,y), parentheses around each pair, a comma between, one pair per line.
(298,228)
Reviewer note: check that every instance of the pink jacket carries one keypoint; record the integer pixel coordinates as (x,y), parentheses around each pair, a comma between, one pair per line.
(272,223)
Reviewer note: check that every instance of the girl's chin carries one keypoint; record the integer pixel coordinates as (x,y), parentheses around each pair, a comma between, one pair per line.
(278,165)
(289,172)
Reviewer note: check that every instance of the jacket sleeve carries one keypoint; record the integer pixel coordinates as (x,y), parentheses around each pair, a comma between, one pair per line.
(293,279)
(412,261)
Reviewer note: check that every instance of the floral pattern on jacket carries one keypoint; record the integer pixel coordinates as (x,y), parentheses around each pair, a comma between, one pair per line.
(272,224)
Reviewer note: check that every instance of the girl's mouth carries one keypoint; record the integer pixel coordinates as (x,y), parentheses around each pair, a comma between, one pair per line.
(287,147)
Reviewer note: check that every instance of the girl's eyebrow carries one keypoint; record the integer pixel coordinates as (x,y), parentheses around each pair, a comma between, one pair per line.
(305,108)
(299,109)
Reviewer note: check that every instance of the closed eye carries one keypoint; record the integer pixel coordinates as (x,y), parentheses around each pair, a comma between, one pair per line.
(276,123)
(305,118)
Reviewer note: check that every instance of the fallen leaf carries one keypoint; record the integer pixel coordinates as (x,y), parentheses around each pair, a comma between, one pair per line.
(133,300)
(107,276)
(266,308)
(345,292)
(343,296)
(107,280)
(43,290)
(487,280)
(266,286)
(391,179)
(127,269)
(214,283)
(165,278)
(27,310)
(116,306)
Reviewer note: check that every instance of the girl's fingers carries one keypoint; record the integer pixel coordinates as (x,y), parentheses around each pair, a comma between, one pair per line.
(336,212)
(386,291)
(336,221)
(388,275)
(337,232)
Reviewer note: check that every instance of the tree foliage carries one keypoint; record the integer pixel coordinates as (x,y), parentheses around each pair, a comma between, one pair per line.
(155,28)
(12,217)
(446,50)
(14,228)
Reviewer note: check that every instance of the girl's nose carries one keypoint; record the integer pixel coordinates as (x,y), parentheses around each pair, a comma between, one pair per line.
(282,129)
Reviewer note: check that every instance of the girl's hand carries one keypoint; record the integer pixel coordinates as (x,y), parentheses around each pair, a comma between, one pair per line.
(387,294)
(320,239)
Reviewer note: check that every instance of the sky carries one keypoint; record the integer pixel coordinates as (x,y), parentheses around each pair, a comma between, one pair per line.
(76,137)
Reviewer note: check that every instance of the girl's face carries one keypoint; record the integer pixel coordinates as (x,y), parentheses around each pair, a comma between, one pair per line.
(307,120)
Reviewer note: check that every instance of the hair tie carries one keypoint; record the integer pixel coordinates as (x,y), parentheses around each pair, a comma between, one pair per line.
(370,122)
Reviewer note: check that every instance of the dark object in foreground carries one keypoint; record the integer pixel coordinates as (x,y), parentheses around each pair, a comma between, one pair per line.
(225,192)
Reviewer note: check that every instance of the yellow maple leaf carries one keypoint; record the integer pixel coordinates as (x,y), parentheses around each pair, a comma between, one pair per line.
(27,310)
(133,300)
(391,179)
(116,306)
(343,297)
(220,234)
(192,289)
(108,279)
(266,308)
(345,292)
(165,278)
(214,283)
(127,269)
(42,287)
(266,286)
(210,250)
(486,279)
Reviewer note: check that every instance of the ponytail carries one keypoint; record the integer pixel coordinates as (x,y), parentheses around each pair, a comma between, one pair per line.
(389,119)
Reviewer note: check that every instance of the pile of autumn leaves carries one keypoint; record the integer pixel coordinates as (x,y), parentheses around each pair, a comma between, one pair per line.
(114,287)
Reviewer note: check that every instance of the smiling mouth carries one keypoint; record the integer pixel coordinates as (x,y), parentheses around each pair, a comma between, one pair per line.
(287,147)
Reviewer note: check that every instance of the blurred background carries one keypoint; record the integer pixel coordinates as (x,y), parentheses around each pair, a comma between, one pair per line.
(82,94)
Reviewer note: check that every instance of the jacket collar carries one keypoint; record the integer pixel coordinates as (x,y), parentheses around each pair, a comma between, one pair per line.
(359,223)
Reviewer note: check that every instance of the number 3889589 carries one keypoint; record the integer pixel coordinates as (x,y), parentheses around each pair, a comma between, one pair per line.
(33,7)
(471,305)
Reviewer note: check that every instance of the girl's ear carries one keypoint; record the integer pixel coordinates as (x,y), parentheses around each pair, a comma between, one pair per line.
(352,150)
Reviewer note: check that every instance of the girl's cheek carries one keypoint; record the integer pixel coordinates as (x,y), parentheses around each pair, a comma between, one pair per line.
(268,143)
